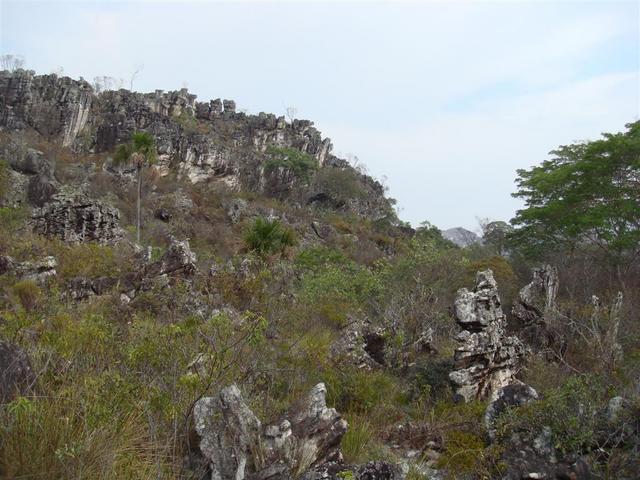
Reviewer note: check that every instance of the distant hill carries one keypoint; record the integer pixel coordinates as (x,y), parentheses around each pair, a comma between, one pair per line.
(461,236)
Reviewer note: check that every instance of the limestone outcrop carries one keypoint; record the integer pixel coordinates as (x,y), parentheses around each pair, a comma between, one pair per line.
(38,271)
(237,446)
(200,141)
(486,359)
(74,217)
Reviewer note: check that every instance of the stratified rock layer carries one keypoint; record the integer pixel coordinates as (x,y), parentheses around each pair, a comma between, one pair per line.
(486,359)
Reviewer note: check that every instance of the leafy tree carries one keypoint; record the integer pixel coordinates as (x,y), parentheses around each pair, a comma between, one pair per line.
(140,151)
(587,195)
(494,234)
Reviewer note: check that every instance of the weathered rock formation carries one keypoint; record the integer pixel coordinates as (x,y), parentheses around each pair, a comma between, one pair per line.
(360,345)
(74,217)
(535,311)
(16,374)
(237,446)
(486,359)
(199,140)
(38,271)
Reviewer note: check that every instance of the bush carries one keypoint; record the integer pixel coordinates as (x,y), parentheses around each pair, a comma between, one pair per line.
(300,164)
(28,293)
(266,236)
(340,184)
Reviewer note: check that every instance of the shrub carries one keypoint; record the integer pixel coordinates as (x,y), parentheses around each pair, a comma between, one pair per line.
(300,164)
(266,236)
(341,184)
(28,293)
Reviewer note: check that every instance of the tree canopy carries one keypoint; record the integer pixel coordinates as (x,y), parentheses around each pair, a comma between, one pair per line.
(586,195)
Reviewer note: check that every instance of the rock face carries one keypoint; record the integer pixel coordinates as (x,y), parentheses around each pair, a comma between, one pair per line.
(486,359)
(38,271)
(200,141)
(73,217)
(16,375)
(237,446)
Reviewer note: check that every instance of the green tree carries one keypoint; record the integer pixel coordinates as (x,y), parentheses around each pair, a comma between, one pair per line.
(494,234)
(586,196)
(140,151)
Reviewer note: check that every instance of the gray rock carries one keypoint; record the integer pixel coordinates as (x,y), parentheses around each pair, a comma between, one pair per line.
(16,374)
(73,217)
(486,360)
(38,271)
(237,446)
(359,345)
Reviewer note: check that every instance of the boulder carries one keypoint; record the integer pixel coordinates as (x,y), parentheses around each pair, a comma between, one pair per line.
(375,470)
(38,271)
(237,446)
(16,374)
(74,217)
(486,359)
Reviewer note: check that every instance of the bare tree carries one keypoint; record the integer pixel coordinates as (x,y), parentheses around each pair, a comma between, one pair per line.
(291,113)
(104,83)
(135,73)
(11,62)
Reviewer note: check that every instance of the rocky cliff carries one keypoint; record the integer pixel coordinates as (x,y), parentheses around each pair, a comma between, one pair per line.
(199,141)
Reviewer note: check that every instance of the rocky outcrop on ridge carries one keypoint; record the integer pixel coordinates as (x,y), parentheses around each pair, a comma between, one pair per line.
(486,359)
(198,140)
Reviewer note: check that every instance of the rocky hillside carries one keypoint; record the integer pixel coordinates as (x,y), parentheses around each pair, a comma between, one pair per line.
(275,320)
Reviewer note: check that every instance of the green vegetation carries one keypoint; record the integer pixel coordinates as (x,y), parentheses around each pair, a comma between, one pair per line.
(586,195)
(266,236)
(300,164)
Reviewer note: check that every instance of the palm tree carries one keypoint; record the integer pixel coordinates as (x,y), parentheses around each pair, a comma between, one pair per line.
(140,151)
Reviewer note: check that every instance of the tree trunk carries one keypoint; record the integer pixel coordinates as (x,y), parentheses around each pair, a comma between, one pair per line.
(138,209)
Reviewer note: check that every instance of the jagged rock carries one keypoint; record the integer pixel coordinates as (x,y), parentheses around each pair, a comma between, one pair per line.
(38,271)
(74,217)
(237,446)
(16,374)
(324,231)
(513,395)
(197,140)
(359,345)
(535,310)
(178,259)
(486,359)
(229,433)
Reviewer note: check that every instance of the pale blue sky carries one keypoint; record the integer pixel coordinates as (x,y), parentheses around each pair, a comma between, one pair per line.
(444,99)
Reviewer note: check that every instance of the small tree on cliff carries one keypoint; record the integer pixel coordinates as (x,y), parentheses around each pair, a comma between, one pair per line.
(140,152)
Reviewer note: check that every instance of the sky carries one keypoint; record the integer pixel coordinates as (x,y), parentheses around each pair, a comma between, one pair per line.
(441,100)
